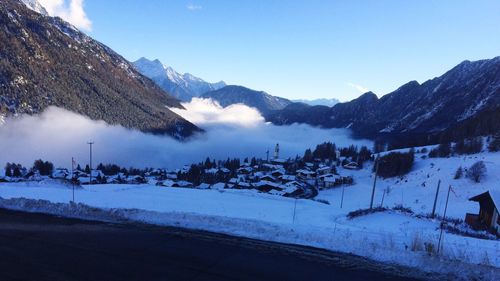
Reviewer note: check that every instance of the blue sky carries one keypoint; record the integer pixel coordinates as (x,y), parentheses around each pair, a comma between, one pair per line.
(302,49)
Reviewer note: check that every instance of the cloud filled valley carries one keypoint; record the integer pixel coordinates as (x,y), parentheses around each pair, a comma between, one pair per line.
(234,131)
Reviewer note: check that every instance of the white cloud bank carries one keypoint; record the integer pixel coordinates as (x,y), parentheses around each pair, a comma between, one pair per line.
(72,12)
(57,135)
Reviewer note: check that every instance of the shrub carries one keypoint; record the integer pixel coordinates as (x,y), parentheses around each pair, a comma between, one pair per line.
(477,171)
(459,173)
(494,145)
(364,212)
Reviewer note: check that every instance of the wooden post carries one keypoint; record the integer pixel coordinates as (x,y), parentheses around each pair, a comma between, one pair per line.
(444,218)
(435,200)
(382,203)
(342,199)
(374,182)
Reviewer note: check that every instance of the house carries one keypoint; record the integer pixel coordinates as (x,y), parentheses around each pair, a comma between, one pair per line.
(219,186)
(184,184)
(324,170)
(306,174)
(277,173)
(244,185)
(351,166)
(203,186)
(287,178)
(268,178)
(489,216)
(266,186)
(245,170)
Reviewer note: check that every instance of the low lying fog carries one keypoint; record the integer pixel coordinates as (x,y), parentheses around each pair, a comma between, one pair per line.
(235,131)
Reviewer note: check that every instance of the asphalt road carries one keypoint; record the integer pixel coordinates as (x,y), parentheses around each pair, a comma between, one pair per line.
(42,247)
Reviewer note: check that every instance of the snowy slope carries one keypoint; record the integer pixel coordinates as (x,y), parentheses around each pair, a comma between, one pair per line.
(384,236)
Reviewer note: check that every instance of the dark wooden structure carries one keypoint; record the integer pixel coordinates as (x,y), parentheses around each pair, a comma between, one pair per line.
(488,217)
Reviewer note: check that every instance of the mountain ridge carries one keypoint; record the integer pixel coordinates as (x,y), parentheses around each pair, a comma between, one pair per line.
(182,86)
(436,108)
(233,94)
(45,61)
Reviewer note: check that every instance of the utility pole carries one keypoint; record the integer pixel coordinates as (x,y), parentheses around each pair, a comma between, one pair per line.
(444,218)
(90,143)
(435,200)
(374,182)
(72,177)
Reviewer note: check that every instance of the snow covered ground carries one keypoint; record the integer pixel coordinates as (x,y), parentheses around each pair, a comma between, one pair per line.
(389,237)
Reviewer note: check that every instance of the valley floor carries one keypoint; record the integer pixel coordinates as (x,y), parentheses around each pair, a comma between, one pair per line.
(391,236)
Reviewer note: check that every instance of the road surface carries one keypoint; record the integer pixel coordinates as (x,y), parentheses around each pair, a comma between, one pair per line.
(42,247)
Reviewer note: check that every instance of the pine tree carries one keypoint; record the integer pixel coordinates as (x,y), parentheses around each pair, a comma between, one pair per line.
(8,170)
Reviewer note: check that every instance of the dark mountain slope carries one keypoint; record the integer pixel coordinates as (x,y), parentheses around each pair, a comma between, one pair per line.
(462,102)
(263,101)
(45,61)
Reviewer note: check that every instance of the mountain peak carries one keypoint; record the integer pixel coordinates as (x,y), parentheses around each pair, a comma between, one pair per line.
(182,86)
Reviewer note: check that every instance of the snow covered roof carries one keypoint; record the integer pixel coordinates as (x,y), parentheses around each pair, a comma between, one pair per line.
(204,186)
(288,177)
(219,186)
(494,195)
(211,171)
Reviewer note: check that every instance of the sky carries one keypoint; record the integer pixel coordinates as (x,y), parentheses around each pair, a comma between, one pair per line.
(296,49)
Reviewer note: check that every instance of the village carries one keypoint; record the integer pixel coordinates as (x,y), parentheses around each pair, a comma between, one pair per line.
(276,176)
(325,168)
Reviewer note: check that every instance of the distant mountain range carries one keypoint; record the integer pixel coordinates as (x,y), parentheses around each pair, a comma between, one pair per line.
(186,86)
(263,101)
(325,102)
(45,61)
(464,101)
(182,86)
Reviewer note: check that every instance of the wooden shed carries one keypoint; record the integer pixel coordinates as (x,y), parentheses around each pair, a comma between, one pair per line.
(488,217)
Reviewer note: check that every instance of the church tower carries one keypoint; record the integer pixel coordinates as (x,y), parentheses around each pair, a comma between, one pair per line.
(277,151)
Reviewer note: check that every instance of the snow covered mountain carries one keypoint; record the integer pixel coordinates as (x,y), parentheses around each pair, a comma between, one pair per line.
(232,94)
(182,86)
(45,61)
(465,101)
(325,102)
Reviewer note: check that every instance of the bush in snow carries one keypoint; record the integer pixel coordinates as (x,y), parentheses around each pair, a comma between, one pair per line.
(477,171)
(459,173)
(494,145)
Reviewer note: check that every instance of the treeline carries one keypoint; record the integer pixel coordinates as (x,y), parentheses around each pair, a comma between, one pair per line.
(328,151)
(395,164)
(464,146)
(44,168)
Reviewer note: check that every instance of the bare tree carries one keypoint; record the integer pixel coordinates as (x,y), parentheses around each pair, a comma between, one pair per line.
(477,171)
